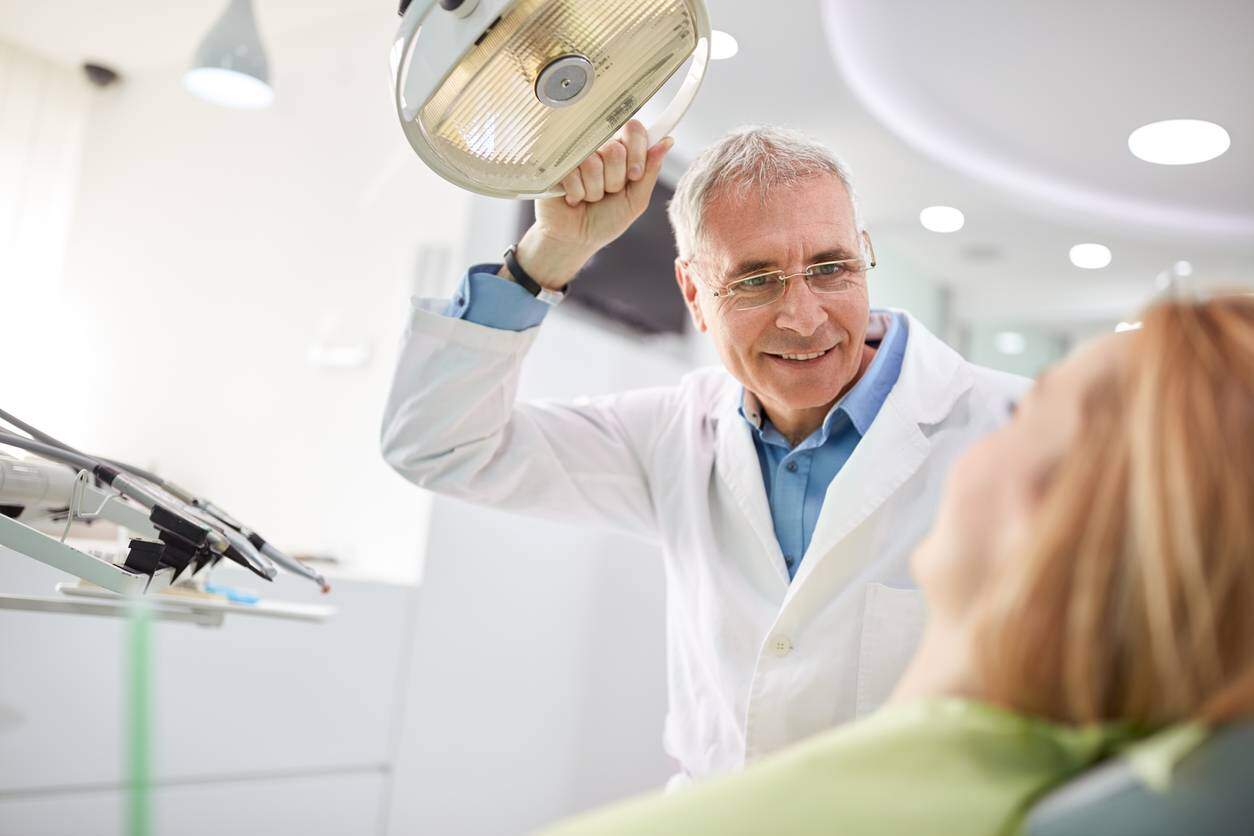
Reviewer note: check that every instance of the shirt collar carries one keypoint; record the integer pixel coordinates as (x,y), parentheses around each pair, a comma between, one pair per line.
(861,403)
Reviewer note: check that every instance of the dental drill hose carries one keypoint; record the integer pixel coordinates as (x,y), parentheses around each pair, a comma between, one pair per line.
(266,550)
(165,517)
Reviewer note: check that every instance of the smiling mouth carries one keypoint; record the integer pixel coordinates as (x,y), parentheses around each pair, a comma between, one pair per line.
(802,358)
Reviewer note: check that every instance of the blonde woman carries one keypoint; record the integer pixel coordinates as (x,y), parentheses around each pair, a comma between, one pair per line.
(1090,579)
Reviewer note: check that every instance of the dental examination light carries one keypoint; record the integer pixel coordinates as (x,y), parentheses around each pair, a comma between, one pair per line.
(198,506)
(507,97)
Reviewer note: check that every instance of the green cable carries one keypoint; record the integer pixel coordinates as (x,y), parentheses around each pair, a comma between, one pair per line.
(139,803)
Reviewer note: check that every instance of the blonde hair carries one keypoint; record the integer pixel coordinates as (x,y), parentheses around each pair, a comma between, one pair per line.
(1135,600)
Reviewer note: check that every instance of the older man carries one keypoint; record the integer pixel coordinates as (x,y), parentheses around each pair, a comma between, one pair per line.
(787,489)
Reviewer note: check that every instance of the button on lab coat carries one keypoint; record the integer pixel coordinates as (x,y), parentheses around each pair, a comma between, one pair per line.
(754,662)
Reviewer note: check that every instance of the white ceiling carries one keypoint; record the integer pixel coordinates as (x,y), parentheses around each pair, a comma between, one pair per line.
(1018,114)
(139,35)
(1042,100)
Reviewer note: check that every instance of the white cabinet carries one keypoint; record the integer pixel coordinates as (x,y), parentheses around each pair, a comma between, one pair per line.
(275,715)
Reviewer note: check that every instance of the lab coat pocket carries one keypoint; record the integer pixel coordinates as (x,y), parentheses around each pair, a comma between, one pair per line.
(892,624)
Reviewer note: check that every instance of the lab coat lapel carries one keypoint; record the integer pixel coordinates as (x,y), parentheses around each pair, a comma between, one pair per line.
(933,377)
(736,461)
(892,450)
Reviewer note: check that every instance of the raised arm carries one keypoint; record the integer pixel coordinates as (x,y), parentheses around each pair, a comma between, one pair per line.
(451,424)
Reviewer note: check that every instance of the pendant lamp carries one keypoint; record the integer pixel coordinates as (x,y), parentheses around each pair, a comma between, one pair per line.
(230,66)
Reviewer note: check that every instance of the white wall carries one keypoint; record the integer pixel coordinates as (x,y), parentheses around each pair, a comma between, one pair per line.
(43,111)
(896,282)
(1041,346)
(210,251)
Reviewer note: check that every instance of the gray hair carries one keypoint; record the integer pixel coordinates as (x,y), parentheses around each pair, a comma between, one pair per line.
(757,157)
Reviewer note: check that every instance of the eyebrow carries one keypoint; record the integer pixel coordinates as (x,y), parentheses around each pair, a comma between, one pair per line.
(754,265)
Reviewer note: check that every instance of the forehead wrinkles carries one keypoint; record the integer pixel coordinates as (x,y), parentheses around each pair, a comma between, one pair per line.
(736,221)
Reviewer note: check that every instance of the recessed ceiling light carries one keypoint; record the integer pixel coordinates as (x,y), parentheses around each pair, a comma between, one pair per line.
(1179,141)
(1127,326)
(722,45)
(1090,256)
(1010,342)
(941,219)
(1183,269)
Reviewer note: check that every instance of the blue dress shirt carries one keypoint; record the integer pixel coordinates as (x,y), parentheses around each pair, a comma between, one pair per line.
(485,298)
(796,478)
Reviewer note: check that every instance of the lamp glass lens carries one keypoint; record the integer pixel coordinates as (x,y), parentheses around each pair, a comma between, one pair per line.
(486,121)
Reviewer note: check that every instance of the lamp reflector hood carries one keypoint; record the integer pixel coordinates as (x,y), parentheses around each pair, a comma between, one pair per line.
(509,99)
(230,67)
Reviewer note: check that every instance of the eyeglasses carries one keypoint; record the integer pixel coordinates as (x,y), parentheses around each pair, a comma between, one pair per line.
(830,277)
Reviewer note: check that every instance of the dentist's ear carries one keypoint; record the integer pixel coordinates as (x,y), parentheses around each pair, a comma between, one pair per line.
(689,287)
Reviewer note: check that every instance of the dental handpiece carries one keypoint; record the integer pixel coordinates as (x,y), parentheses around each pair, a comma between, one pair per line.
(259,554)
(170,516)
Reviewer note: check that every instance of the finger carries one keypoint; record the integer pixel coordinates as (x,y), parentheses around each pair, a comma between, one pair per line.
(637,141)
(638,193)
(593,173)
(572,184)
(614,163)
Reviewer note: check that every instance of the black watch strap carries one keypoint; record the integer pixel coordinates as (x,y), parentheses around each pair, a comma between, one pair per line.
(520,275)
(529,284)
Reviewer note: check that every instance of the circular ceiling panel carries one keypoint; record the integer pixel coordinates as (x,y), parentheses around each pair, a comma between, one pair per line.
(1039,100)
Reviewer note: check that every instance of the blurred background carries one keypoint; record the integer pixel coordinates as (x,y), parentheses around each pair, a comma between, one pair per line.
(216,294)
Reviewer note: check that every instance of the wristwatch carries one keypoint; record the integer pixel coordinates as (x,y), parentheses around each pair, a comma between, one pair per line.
(519,275)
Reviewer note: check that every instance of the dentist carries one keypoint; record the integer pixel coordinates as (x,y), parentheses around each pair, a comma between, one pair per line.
(787,489)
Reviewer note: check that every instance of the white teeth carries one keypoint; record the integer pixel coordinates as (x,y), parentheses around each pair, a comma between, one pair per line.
(803,356)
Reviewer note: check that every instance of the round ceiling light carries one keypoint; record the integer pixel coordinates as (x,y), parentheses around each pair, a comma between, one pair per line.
(1090,256)
(941,219)
(1178,141)
(722,45)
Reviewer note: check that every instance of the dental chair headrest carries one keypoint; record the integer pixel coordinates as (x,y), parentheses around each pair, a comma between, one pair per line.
(1211,792)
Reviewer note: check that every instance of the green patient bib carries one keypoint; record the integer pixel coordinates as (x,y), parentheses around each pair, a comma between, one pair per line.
(929,768)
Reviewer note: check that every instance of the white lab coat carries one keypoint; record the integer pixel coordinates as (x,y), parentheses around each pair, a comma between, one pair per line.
(755,662)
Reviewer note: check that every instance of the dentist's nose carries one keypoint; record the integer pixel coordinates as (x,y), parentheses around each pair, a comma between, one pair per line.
(800,311)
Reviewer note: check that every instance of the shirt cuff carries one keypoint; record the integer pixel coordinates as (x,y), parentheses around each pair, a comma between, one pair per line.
(485,298)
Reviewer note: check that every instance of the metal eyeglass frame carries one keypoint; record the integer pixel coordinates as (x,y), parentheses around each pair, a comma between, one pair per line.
(727,291)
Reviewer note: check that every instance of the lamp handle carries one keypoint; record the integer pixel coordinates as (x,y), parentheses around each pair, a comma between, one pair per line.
(669,118)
